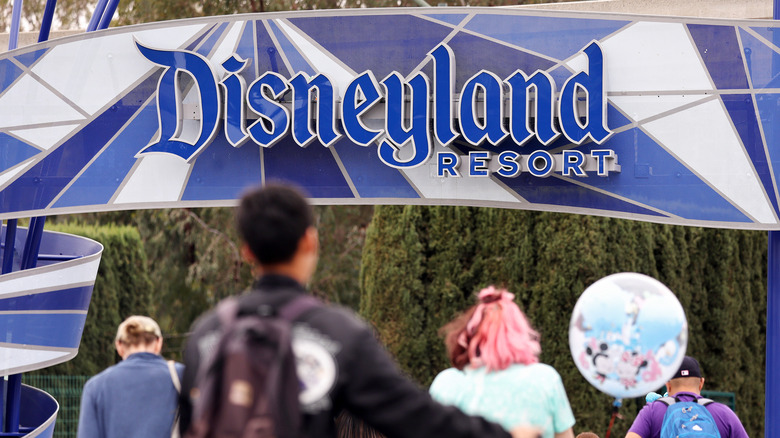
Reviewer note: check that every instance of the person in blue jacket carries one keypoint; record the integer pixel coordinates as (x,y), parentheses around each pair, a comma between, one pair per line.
(138,397)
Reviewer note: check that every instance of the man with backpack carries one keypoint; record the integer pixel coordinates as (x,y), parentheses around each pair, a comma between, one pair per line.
(337,363)
(684,412)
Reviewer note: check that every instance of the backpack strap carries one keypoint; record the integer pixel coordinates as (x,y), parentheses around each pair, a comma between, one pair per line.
(229,309)
(704,401)
(299,305)
(174,375)
(176,384)
(668,401)
(227,312)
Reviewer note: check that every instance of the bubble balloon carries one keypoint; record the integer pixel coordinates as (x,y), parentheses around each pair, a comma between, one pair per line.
(628,334)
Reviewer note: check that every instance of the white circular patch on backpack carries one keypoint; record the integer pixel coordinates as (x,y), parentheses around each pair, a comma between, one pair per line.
(316,370)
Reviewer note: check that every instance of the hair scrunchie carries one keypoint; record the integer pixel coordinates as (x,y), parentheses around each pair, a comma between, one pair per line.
(497,333)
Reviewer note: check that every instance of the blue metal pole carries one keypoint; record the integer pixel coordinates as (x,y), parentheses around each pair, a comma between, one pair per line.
(27,243)
(97,15)
(33,243)
(16,17)
(10,241)
(13,390)
(108,14)
(14,405)
(48,15)
(8,266)
(32,246)
(772,384)
(3,393)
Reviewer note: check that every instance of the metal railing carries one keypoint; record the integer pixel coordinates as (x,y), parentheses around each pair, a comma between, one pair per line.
(67,391)
(727,398)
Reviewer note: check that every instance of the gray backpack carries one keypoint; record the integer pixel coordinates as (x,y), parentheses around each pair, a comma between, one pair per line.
(249,388)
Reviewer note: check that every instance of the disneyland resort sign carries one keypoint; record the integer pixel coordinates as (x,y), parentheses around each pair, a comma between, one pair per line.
(416,112)
(662,120)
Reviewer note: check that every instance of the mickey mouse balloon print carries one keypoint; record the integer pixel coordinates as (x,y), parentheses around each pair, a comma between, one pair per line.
(628,334)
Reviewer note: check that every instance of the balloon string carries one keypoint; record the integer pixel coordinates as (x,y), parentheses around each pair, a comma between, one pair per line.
(615,406)
(611,422)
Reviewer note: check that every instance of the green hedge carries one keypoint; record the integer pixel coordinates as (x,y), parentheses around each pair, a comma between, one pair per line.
(422,265)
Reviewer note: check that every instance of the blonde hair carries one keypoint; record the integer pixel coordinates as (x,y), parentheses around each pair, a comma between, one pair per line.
(138,330)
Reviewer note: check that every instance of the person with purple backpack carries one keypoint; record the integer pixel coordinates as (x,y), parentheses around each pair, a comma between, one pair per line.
(657,418)
(340,365)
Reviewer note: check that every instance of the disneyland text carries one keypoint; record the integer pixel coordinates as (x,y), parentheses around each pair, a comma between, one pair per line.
(487,109)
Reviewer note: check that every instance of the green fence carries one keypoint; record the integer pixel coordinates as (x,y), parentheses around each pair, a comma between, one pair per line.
(727,398)
(67,391)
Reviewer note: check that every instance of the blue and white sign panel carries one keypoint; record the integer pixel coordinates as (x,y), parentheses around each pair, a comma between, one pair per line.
(664,120)
(43,309)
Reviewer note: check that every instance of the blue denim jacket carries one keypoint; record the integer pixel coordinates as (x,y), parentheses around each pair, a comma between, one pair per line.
(134,398)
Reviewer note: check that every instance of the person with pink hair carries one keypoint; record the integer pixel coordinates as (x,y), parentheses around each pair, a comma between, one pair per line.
(496,372)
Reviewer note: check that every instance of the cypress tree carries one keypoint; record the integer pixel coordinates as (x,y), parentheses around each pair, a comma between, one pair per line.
(449,235)
(392,286)
(445,254)
(506,251)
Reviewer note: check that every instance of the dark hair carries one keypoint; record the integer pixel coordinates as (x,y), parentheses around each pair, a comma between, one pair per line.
(272,220)
(458,354)
(348,426)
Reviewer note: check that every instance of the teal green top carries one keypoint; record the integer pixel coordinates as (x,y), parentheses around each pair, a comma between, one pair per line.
(521,394)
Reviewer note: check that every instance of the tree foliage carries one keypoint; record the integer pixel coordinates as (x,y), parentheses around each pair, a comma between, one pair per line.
(422,265)
(193,259)
(342,231)
(68,15)
(75,14)
(395,262)
(144,11)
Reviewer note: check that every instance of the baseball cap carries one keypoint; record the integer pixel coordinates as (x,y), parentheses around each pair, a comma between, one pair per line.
(688,368)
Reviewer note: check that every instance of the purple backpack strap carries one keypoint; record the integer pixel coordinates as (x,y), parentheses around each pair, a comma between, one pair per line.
(227,311)
(298,306)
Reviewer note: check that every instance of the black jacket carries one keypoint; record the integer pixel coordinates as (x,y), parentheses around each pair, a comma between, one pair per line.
(350,370)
